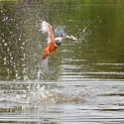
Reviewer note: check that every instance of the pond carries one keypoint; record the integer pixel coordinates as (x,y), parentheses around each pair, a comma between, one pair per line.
(84,79)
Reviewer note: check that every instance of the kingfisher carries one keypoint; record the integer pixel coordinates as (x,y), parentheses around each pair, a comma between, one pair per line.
(54,39)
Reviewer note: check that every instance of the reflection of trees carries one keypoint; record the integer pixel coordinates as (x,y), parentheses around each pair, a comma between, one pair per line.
(21,43)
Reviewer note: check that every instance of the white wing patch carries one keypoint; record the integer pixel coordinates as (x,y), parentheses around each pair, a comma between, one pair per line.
(46,28)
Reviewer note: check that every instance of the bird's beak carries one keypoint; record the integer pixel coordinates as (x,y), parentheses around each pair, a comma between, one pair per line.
(63,34)
(73,38)
(69,37)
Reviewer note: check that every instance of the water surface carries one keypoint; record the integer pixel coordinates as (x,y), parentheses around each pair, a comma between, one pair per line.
(83,81)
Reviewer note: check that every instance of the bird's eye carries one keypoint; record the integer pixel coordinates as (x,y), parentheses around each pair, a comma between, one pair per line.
(61,34)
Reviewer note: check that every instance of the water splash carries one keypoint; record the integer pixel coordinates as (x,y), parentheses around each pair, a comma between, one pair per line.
(42,93)
(85,32)
(43,63)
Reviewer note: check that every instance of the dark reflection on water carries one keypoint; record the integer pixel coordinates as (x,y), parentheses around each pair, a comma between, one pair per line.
(83,82)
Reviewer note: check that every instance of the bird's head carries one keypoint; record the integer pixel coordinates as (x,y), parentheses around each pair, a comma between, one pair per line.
(59,35)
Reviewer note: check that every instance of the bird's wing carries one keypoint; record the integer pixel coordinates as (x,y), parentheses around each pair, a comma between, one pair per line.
(46,28)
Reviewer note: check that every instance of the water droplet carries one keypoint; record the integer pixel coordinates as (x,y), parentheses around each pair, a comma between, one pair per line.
(5,44)
(3,40)
(4,59)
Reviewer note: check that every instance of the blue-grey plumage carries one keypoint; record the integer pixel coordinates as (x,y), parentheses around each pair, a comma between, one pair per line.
(59,35)
(58,32)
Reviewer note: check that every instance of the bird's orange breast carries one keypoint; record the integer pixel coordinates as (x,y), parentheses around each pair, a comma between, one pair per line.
(49,49)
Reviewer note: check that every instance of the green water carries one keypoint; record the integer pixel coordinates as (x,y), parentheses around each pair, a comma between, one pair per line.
(98,54)
(84,80)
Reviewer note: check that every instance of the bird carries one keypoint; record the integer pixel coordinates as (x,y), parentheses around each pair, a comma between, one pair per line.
(54,38)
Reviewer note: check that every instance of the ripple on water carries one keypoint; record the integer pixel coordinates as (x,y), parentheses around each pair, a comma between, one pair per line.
(66,102)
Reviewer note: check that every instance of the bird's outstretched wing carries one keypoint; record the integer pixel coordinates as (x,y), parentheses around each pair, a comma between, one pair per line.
(46,28)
